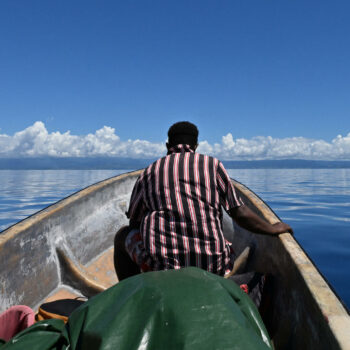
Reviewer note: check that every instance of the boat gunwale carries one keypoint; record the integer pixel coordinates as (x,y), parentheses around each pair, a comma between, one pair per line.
(15,229)
(296,241)
(330,304)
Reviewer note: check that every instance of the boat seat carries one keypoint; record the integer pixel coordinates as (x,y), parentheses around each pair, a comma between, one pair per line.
(63,292)
(90,279)
(240,262)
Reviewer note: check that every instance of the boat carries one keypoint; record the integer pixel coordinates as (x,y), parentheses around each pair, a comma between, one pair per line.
(65,251)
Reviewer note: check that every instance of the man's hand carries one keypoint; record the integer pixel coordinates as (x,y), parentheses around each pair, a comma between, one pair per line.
(281,227)
(247,219)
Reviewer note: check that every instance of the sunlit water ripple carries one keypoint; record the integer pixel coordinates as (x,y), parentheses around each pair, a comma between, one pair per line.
(315,202)
(24,192)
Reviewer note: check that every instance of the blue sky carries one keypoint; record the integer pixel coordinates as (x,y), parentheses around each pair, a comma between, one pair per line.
(248,69)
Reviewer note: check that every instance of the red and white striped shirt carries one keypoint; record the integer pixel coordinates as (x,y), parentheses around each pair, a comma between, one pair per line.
(178,201)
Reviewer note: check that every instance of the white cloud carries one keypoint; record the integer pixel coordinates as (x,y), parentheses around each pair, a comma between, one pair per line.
(36,141)
(288,148)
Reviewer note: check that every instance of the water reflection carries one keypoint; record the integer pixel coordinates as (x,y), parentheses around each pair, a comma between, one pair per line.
(318,192)
(24,192)
(305,181)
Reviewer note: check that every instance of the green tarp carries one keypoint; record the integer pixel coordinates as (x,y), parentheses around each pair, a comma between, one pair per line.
(178,309)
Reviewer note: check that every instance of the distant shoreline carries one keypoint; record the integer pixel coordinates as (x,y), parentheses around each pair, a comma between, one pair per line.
(107,163)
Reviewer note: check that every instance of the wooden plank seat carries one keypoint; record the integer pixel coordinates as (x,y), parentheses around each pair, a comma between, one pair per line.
(89,279)
(83,281)
(63,292)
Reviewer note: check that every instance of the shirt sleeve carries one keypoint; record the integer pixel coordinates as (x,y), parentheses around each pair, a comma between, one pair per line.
(227,193)
(137,207)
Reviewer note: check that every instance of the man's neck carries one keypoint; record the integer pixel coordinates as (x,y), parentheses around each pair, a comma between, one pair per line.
(180,148)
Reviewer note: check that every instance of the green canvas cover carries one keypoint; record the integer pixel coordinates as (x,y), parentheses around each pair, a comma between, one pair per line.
(44,335)
(185,309)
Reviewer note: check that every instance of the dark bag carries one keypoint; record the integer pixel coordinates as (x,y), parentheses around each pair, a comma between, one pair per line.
(60,309)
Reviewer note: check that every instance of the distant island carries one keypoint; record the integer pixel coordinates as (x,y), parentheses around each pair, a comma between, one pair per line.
(112,163)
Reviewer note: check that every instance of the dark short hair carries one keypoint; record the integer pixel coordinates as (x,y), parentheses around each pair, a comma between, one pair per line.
(183,133)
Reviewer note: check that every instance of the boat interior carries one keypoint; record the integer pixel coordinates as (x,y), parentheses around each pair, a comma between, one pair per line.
(65,251)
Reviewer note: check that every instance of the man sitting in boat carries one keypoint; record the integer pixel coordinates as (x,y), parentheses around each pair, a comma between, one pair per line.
(176,213)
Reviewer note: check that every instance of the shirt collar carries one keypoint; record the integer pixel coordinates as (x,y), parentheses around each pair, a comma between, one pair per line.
(180,148)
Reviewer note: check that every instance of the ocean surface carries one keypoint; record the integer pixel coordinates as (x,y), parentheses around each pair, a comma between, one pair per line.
(315,202)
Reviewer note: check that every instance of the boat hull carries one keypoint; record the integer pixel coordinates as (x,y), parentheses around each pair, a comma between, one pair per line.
(65,249)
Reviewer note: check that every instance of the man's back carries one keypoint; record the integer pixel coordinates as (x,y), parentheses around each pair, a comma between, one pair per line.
(178,201)
(175,212)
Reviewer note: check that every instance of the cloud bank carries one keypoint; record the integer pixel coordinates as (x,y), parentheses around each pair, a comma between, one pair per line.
(36,141)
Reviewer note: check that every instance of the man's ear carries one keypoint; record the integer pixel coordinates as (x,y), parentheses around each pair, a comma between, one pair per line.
(195,147)
(167,146)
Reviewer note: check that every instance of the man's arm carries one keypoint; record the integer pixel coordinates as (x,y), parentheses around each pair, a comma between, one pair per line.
(137,207)
(247,219)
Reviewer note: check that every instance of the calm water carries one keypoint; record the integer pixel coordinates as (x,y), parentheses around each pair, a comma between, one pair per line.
(316,203)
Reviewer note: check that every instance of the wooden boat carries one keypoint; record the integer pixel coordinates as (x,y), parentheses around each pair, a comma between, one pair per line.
(66,250)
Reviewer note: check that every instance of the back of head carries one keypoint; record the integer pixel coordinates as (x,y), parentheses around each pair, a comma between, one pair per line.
(183,133)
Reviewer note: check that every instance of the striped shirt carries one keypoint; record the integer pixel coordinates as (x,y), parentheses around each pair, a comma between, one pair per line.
(178,202)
